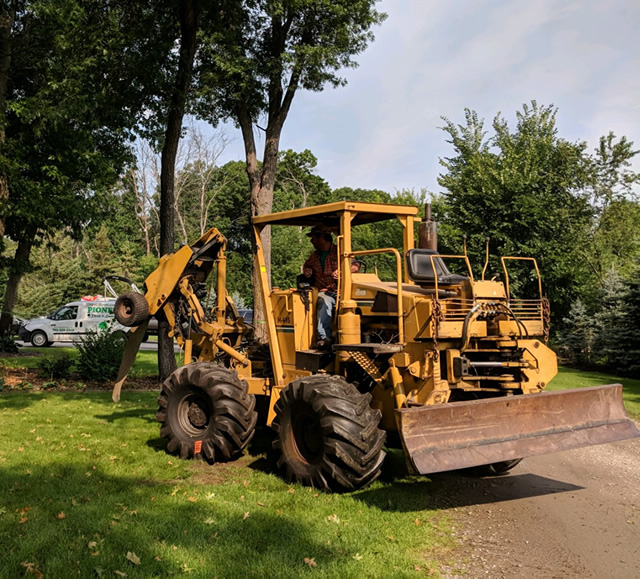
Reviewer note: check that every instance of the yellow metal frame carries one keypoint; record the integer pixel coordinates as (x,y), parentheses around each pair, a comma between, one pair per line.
(443,257)
(504,260)
(396,253)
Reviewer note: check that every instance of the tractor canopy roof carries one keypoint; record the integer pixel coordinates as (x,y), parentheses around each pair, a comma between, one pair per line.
(331,214)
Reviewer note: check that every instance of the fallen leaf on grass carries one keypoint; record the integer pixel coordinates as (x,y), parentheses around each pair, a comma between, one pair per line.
(291,491)
(23,520)
(120,573)
(357,557)
(133,558)
(209,521)
(92,544)
(246,516)
(333,518)
(61,515)
(192,499)
(31,568)
(310,561)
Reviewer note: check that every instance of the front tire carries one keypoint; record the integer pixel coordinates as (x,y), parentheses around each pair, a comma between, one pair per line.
(39,339)
(327,434)
(206,412)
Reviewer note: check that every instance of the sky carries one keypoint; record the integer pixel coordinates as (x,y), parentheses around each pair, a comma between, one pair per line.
(434,58)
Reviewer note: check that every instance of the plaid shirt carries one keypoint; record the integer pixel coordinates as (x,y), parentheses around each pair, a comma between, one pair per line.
(323,279)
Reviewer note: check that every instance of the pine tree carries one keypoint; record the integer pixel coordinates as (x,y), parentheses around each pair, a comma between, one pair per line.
(612,323)
(579,334)
(630,356)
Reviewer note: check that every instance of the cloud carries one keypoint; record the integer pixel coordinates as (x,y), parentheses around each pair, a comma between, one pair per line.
(434,58)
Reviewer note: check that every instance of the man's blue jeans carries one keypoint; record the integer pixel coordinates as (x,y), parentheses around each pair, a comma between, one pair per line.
(326,304)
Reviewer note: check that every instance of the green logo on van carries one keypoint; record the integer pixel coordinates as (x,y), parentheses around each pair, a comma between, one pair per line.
(100,310)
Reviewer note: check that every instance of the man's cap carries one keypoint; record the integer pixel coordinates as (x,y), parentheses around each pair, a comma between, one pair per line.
(320,230)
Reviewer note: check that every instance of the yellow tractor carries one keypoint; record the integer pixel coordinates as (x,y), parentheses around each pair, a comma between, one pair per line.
(451,367)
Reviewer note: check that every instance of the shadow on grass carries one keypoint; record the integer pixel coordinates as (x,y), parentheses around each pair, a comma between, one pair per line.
(142,413)
(18,400)
(59,518)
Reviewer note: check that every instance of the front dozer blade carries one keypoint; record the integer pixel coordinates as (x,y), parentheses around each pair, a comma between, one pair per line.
(465,434)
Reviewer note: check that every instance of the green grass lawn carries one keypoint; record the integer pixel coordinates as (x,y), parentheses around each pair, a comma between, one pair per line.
(572,378)
(87,489)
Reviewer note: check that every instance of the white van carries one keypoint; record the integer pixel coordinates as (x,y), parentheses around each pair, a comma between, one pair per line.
(71,322)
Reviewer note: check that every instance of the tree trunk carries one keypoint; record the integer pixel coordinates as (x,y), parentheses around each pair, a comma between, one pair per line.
(18,266)
(7,16)
(188,10)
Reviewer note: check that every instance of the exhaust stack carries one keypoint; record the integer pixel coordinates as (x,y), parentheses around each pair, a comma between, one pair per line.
(428,231)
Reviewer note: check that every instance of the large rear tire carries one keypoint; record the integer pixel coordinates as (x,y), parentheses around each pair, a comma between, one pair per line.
(327,434)
(131,309)
(206,412)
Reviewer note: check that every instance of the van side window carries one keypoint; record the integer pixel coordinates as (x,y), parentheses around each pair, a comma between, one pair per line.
(66,313)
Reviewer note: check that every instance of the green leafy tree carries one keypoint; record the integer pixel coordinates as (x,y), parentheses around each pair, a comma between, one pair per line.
(73,87)
(255,60)
(523,188)
(615,230)
(59,275)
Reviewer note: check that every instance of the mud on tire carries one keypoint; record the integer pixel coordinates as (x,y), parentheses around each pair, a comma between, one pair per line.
(206,412)
(327,435)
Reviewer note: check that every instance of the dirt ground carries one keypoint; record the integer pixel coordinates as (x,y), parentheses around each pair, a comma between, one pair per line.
(20,379)
(569,514)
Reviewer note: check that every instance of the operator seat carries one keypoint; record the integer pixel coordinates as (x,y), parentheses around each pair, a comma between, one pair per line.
(420,268)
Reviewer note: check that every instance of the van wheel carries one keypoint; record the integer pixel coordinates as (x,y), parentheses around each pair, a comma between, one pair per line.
(206,412)
(131,309)
(327,434)
(39,340)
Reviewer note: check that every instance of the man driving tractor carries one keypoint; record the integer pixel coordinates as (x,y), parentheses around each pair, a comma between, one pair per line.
(321,268)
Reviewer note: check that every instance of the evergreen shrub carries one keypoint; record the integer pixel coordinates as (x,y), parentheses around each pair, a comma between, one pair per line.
(55,368)
(100,354)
